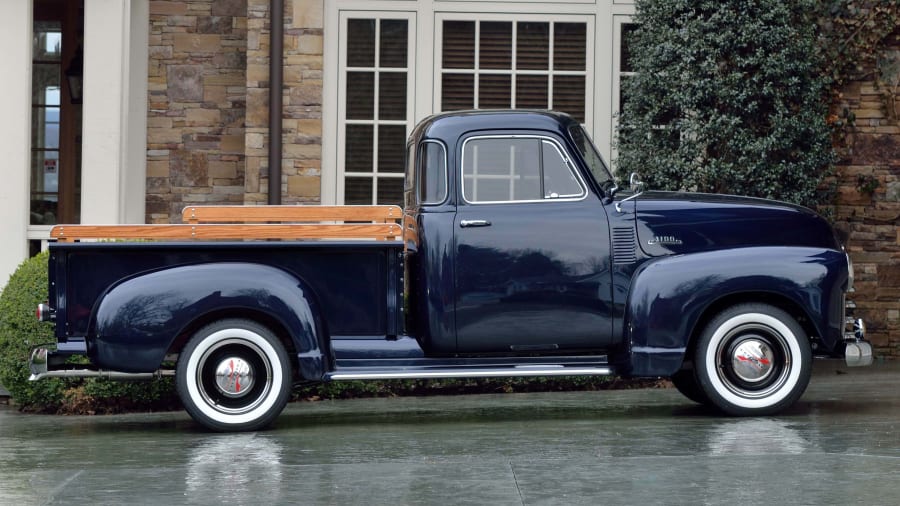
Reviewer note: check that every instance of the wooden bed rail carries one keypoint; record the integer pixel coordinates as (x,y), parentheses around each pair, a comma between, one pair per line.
(256,222)
(248,214)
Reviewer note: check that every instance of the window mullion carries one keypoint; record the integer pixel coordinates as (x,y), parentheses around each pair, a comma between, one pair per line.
(375,113)
(550,67)
(477,66)
(513,80)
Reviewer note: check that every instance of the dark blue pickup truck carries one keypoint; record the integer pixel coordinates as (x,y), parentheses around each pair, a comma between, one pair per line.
(515,255)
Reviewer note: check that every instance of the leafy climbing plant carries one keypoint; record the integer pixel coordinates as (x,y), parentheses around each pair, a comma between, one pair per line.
(728,97)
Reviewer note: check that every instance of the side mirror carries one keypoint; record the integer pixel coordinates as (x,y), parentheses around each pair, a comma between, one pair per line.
(634,181)
(637,187)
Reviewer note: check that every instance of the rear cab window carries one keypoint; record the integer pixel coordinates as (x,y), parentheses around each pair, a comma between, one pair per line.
(426,174)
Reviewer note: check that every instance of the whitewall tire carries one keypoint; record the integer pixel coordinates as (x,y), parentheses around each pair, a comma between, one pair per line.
(753,359)
(234,375)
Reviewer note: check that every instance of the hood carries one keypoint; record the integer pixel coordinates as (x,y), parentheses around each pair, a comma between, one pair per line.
(671,223)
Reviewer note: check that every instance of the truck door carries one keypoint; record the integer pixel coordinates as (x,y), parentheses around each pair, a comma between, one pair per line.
(532,250)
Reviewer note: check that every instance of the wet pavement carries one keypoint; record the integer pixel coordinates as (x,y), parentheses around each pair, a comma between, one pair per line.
(839,445)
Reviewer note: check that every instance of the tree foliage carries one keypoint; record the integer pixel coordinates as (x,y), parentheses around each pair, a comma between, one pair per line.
(727,97)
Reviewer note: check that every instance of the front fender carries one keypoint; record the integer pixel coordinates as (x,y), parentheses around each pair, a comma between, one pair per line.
(669,296)
(137,321)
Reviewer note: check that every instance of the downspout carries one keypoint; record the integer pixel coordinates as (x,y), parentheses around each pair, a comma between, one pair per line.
(276,83)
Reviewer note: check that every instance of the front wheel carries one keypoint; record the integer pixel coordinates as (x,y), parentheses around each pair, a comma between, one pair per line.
(234,375)
(753,359)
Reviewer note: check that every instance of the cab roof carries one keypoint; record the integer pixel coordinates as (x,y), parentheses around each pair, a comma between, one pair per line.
(449,126)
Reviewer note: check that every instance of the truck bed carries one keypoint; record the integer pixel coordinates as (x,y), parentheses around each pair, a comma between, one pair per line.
(349,256)
(356,283)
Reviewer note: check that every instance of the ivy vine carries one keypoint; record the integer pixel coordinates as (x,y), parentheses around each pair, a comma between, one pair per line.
(858,41)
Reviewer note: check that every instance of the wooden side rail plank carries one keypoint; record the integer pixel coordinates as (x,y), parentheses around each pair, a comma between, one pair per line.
(197,214)
(66,233)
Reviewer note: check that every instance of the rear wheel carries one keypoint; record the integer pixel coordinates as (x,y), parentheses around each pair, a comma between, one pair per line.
(234,375)
(753,359)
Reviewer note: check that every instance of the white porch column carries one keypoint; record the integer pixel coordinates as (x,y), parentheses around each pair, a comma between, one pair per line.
(15,133)
(114,132)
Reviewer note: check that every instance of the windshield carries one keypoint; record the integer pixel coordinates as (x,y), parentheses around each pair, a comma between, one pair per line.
(591,157)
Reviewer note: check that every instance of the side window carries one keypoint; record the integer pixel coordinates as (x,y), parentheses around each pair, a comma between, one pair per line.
(517,169)
(432,176)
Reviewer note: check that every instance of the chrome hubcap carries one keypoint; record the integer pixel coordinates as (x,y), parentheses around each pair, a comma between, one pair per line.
(234,377)
(753,360)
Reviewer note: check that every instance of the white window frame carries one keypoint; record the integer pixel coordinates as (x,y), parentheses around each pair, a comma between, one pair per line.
(588,74)
(342,174)
(617,74)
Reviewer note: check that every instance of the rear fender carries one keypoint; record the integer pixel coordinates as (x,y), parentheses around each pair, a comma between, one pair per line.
(669,296)
(138,320)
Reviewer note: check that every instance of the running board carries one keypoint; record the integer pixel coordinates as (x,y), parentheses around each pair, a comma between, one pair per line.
(456,372)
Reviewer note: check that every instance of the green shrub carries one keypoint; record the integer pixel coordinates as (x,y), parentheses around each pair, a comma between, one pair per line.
(727,97)
(20,332)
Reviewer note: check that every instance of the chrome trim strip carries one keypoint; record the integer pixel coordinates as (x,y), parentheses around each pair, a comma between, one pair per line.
(546,370)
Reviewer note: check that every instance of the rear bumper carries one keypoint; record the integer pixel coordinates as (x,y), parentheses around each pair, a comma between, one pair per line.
(45,363)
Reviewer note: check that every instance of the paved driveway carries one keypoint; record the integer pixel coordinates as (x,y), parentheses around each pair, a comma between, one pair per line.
(839,445)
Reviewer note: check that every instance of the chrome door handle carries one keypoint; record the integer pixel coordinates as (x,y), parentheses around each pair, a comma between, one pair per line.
(474,223)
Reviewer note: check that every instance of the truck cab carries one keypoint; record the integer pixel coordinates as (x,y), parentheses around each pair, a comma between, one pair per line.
(514,244)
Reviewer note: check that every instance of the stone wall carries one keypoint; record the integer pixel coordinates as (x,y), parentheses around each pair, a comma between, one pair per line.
(302,98)
(208,104)
(868,209)
(197,105)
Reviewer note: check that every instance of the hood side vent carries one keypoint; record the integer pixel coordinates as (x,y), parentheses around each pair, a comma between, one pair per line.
(624,247)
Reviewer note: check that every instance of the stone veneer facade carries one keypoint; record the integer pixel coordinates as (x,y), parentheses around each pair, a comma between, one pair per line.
(868,204)
(208,104)
(208,124)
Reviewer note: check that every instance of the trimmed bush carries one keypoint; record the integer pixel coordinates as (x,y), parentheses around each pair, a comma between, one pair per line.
(727,97)
(20,332)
